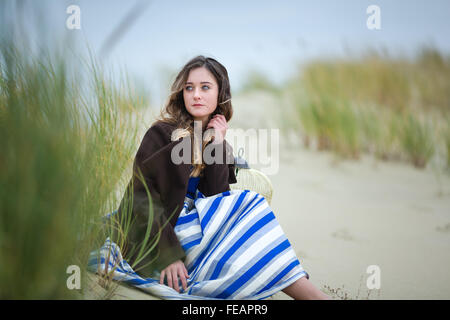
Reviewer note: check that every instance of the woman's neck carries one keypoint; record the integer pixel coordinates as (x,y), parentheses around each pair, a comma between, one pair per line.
(204,123)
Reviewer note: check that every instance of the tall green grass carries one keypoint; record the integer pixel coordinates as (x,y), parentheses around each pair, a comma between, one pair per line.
(333,124)
(446,136)
(417,141)
(378,104)
(67,144)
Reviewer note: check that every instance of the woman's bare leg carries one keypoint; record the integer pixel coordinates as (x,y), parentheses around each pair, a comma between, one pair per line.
(303,289)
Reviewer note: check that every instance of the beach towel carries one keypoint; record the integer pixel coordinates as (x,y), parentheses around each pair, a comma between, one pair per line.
(235,249)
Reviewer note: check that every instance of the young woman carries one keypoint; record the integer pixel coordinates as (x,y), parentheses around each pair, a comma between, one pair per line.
(213,242)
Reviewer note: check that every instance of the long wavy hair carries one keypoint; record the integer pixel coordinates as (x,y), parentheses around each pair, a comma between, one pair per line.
(175,111)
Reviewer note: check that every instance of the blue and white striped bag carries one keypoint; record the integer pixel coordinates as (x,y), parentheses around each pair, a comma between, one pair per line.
(235,249)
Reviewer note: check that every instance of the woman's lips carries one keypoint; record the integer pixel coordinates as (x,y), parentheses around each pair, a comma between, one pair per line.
(197,105)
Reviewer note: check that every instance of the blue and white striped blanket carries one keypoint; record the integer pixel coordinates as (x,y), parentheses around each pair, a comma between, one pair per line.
(235,249)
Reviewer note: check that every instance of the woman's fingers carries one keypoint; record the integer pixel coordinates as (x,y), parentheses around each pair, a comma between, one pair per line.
(169,279)
(183,278)
(175,280)
(212,121)
(218,125)
(218,122)
(220,118)
(221,122)
(172,272)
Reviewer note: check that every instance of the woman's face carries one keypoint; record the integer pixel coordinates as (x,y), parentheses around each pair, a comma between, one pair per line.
(200,94)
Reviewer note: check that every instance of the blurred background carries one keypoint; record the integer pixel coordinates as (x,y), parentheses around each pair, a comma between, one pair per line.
(363,112)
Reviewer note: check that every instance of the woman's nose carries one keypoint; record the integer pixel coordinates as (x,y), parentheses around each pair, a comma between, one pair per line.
(197,94)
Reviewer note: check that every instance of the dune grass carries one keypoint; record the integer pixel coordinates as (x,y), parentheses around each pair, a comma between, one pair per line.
(341,293)
(377,104)
(334,124)
(417,141)
(446,135)
(67,144)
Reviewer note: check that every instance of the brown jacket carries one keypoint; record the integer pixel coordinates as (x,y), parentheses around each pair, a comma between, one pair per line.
(167,183)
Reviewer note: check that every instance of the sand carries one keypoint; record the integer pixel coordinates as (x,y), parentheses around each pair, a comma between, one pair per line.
(343,216)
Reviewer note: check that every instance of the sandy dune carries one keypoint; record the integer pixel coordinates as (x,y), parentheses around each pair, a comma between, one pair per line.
(343,216)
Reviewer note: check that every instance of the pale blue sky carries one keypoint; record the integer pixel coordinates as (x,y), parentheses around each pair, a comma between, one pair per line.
(271,36)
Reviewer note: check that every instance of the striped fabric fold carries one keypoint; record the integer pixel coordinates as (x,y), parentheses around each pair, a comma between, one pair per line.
(235,249)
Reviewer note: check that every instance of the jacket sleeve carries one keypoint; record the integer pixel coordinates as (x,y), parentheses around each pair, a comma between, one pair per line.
(153,166)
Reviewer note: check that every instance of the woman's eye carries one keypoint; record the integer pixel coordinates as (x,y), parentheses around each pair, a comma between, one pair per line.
(205,87)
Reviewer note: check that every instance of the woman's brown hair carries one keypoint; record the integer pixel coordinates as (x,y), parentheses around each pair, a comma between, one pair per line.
(175,111)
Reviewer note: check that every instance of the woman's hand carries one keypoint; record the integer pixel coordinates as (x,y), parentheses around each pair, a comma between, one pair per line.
(219,123)
(172,272)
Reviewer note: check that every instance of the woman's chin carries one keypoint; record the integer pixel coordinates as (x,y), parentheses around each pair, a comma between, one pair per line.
(199,116)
